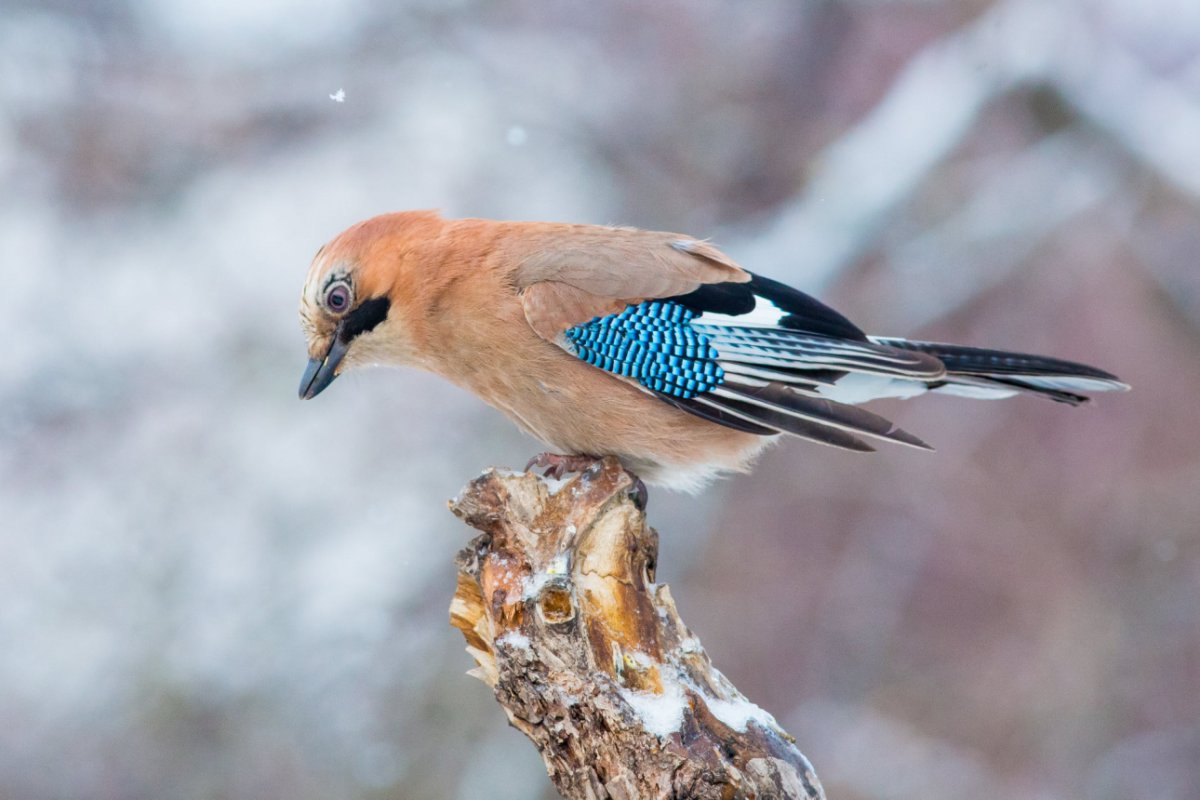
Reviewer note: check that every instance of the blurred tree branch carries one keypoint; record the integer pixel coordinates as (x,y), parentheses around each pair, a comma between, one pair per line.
(588,656)
(860,180)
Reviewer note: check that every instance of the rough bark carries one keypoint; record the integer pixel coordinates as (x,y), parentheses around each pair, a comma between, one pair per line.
(588,656)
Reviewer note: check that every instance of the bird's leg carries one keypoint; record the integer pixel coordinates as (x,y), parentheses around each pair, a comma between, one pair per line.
(557,465)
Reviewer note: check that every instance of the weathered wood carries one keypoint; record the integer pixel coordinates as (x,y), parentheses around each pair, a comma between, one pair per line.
(588,656)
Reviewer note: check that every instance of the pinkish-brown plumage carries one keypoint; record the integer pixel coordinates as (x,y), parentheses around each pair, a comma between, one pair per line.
(460,292)
(485,304)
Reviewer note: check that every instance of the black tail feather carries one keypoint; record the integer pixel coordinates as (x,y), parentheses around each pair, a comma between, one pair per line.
(983,361)
(1052,378)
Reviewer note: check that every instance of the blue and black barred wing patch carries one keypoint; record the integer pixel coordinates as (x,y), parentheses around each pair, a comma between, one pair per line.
(654,344)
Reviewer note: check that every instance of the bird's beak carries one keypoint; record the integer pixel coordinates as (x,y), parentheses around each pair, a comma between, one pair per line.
(320,372)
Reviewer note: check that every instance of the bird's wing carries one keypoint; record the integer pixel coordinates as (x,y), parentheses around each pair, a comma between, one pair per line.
(753,355)
(685,323)
(615,262)
(568,275)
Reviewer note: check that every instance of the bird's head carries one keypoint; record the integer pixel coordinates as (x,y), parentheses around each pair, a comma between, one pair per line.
(349,305)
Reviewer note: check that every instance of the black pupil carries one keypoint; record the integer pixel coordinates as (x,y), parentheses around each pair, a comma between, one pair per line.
(337,299)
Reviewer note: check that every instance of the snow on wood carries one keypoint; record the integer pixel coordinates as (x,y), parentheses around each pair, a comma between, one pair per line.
(588,657)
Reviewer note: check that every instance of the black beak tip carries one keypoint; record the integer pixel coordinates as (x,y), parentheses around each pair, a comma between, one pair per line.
(309,386)
(320,372)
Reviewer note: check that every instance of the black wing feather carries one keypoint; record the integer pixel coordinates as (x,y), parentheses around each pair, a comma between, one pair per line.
(821,411)
(717,415)
(803,312)
(790,423)
(771,409)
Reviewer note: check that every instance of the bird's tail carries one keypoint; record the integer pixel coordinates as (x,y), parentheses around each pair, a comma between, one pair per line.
(983,373)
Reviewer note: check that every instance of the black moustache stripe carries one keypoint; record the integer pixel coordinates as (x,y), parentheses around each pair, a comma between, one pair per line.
(364,318)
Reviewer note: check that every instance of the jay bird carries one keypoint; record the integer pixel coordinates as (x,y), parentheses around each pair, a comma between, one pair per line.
(653,347)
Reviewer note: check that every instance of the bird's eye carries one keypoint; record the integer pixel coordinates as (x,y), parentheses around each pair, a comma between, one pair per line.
(337,298)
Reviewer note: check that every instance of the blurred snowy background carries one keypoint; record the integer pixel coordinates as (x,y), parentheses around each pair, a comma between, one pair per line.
(209,589)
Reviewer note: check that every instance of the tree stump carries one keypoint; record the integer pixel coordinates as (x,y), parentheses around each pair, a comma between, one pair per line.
(588,656)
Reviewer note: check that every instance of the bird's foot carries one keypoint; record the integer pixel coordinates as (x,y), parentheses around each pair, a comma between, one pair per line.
(556,465)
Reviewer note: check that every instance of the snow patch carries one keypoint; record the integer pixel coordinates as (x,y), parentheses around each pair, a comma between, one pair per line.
(660,714)
(503,472)
(737,714)
(515,640)
(553,485)
(535,582)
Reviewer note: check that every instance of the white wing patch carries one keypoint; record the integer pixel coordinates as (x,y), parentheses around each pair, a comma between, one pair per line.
(858,387)
(976,392)
(765,315)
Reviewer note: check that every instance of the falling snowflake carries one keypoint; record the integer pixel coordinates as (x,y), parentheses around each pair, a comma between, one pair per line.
(339,96)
